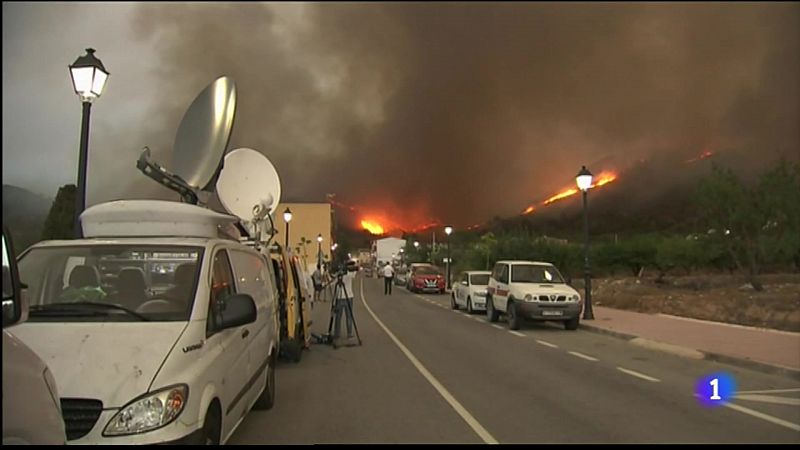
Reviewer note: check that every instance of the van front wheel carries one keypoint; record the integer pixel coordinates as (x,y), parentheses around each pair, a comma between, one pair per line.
(267,398)
(212,425)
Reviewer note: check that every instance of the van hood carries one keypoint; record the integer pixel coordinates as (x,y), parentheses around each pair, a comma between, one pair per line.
(114,362)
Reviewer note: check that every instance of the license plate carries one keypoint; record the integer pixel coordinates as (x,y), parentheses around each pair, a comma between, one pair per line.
(552,313)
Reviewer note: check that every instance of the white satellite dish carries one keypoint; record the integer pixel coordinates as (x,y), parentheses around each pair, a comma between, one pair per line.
(248,185)
(203,134)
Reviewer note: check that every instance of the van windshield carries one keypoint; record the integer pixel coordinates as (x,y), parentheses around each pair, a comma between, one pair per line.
(94,283)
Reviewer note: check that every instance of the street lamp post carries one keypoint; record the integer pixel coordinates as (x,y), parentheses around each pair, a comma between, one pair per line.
(88,79)
(319,249)
(287,217)
(584,181)
(447,230)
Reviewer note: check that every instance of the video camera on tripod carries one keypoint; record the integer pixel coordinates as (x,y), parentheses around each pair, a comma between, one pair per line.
(341,269)
(341,303)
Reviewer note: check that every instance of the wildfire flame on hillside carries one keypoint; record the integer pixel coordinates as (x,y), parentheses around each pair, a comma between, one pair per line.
(372,226)
(601,180)
(706,154)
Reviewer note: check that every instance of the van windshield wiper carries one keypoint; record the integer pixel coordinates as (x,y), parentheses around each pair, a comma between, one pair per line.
(71,307)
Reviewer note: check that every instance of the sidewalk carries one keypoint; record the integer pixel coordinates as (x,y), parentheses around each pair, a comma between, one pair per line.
(760,349)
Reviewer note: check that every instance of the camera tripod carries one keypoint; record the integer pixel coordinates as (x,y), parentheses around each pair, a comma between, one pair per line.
(337,289)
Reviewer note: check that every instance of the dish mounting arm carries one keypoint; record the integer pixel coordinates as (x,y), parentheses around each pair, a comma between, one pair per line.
(166,178)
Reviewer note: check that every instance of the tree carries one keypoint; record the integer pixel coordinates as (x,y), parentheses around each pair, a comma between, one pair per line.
(745,218)
(59,223)
(486,245)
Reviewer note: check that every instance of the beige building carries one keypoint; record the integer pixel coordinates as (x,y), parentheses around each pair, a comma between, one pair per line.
(309,220)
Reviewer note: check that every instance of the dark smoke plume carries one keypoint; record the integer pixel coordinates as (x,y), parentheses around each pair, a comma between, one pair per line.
(459,112)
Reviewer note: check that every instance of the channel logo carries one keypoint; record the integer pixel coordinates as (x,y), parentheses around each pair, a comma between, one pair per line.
(716,389)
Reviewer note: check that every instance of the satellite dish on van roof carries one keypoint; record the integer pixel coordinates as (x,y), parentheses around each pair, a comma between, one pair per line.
(248,185)
(204,133)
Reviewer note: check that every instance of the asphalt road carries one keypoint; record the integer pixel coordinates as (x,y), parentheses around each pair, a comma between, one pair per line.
(426,373)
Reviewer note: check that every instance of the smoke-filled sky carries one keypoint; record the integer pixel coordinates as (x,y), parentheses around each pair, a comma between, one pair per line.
(415,111)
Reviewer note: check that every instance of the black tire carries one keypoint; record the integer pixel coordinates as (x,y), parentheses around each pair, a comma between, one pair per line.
(469,306)
(453,304)
(572,324)
(212,425)
(266,400)
(512,316)
(491,314)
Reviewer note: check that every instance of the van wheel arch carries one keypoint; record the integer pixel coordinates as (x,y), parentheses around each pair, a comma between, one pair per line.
(212,423)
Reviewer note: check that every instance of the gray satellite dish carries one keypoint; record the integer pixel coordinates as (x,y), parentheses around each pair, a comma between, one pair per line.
(204,133)
(248,185)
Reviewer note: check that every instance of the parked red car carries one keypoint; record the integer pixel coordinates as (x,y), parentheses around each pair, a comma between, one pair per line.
(426,278)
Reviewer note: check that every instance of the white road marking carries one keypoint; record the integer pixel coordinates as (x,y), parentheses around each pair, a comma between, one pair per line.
(638,375)
(769,391)
(455,404)
(517,333)
(545,343)
(497,326)
(774,399)
(762,416)
(581,355)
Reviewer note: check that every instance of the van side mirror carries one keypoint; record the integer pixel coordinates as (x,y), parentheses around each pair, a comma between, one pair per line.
(15,304)
(240,309)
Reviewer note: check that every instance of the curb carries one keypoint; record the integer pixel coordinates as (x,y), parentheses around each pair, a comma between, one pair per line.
(693,353)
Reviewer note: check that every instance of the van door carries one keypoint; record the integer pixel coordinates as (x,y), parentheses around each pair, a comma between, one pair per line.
(233,360)
(252,278)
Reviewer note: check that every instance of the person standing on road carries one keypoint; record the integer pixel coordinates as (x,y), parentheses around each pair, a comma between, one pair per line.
(316,277)
(388,277)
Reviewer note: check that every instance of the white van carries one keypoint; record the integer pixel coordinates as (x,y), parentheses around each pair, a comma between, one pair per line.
(156,329)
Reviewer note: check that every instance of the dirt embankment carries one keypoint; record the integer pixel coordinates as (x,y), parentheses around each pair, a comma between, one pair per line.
(721,298)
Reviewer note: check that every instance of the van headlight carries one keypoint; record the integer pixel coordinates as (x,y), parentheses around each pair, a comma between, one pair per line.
(528,298)
(149,412)
(575,298)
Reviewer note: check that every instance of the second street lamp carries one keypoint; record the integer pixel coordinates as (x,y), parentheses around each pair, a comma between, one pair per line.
(88,79)
(447,231)
(584,181)
(319,249)
(287,217)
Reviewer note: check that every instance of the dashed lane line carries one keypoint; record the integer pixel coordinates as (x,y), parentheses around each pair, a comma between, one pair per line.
(638,375)
(546,344)
(581,355)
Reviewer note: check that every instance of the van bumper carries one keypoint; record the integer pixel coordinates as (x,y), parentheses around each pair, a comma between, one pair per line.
(193,438)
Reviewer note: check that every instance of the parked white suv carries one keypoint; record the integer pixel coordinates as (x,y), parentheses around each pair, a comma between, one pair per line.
(152,339)
(531,290)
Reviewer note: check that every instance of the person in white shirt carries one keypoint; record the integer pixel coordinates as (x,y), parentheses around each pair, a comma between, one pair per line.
(388,278)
